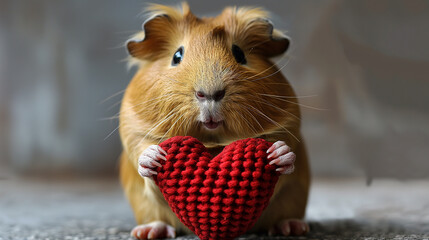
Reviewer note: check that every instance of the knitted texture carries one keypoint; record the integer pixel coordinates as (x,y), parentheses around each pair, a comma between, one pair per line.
(220,197)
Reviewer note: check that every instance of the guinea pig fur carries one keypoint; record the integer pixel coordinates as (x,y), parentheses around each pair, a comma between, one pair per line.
(210,78)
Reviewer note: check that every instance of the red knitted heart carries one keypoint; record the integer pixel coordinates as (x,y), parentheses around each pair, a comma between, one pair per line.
(221,197)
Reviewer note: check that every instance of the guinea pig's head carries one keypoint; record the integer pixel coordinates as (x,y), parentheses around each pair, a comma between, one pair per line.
(210,78)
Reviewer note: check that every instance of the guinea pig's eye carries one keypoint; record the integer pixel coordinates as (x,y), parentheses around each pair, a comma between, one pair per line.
(177,57)
(238,54)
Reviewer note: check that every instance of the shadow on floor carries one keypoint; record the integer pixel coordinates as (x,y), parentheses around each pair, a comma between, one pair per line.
(97,209)
(333,229)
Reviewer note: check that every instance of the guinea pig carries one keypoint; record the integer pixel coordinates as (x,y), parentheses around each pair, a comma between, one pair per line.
(212,79)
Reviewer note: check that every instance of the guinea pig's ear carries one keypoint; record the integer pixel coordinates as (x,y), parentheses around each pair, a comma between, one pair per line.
(279,43)
(276,44)
(153,40)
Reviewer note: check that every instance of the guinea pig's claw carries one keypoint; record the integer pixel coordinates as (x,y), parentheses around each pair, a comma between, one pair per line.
(287,227)
(146,172)
(280,154)
(150,159)
(153,230)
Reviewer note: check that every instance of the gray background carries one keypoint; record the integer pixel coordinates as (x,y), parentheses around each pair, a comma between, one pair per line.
(361,67)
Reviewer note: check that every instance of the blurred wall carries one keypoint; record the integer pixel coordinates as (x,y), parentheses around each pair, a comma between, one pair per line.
(361,69)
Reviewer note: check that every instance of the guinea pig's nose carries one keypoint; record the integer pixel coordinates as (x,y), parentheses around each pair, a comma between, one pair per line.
(217,96)
(200,95)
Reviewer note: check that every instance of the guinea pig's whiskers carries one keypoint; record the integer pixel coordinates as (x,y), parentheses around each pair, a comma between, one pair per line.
(283,98)
(167,97)
(191,123)
(266,69)
(280,109)
(306,106)
(186,127)
(171,127)
(116,116)
(114,130)
(164,96)
(271,120)
(244,117)
(254,118)
(181,83)
(249,124)
(277,83)
(168,117)
(110,134)
(287,97)
(277,71)
(114,105)
(156,98)
(112,96)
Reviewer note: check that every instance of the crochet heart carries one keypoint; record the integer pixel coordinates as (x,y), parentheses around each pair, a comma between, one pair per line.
(220,197)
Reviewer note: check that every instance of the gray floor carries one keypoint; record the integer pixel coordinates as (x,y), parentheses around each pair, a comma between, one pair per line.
(96,209)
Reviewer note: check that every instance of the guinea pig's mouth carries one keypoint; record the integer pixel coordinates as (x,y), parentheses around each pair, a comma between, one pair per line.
(212,124)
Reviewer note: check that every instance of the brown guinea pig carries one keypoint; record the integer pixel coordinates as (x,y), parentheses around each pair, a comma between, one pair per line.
(210,78)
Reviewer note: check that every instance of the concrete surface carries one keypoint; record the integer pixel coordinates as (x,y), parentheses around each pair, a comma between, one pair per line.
(96,209)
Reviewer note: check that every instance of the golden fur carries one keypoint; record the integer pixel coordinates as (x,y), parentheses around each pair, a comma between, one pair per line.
(160,102)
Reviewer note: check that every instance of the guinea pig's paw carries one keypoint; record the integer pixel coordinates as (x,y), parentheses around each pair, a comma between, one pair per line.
(287,227)
(153,230)
(149,160)
(280,154)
